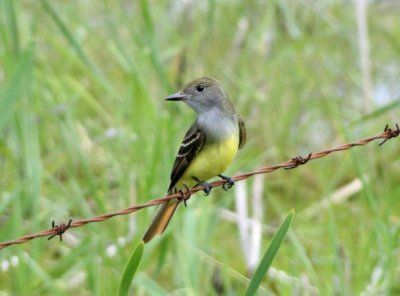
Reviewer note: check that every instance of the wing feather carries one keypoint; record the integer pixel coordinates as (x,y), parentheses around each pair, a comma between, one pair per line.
(191,145)
(242,132)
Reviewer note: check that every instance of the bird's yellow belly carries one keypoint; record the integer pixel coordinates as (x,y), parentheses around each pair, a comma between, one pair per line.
(211,161)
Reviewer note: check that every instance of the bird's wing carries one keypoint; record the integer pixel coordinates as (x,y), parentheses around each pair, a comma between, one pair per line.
(242,132)
(191,145)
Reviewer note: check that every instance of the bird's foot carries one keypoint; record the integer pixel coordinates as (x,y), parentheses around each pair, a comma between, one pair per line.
(229,182)
(207,186)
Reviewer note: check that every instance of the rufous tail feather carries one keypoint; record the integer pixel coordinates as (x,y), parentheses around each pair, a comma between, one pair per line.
(161,220)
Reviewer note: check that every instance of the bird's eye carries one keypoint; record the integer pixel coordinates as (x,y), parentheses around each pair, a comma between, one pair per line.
(200,87)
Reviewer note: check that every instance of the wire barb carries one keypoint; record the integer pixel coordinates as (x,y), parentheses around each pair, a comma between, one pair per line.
(298,160)
(59,229)
(185,195)
(392,133)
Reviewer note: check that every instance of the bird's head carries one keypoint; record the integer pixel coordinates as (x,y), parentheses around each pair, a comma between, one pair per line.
(203,94)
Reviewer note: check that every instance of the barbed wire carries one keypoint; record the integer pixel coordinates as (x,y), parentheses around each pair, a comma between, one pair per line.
(58,230)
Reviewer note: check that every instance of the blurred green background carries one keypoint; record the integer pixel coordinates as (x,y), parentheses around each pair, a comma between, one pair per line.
(84,130)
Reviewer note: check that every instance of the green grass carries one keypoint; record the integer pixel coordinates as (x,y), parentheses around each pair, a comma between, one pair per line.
(84,130)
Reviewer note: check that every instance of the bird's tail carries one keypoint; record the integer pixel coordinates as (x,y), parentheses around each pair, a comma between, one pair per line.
(161,219)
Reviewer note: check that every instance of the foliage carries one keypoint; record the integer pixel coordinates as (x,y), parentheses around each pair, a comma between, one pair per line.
(84,130)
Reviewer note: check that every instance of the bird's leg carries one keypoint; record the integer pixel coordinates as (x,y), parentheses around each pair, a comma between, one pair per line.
(207,186)
(229,182)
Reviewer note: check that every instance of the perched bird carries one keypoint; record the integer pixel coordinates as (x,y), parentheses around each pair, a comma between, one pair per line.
(208,147)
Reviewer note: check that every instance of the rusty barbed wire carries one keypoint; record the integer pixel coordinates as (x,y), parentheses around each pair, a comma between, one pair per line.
(60,229)
(294,162)
(392,133)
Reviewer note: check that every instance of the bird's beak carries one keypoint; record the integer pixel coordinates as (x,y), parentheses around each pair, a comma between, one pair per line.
(176,97)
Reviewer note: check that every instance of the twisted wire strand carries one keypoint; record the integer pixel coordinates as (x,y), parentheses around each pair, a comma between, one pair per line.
(183,196)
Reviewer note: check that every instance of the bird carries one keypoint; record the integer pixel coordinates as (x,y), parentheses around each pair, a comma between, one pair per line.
(207,149)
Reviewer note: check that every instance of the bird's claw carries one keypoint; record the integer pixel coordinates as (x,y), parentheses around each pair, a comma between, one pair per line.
(229,182)
(207,186)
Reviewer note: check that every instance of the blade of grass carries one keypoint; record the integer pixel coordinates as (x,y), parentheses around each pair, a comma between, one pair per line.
(130,270)
(17,85)
(13,25)
(155,55)
(390,107)
(150,286)
(78,49)
(269,255)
